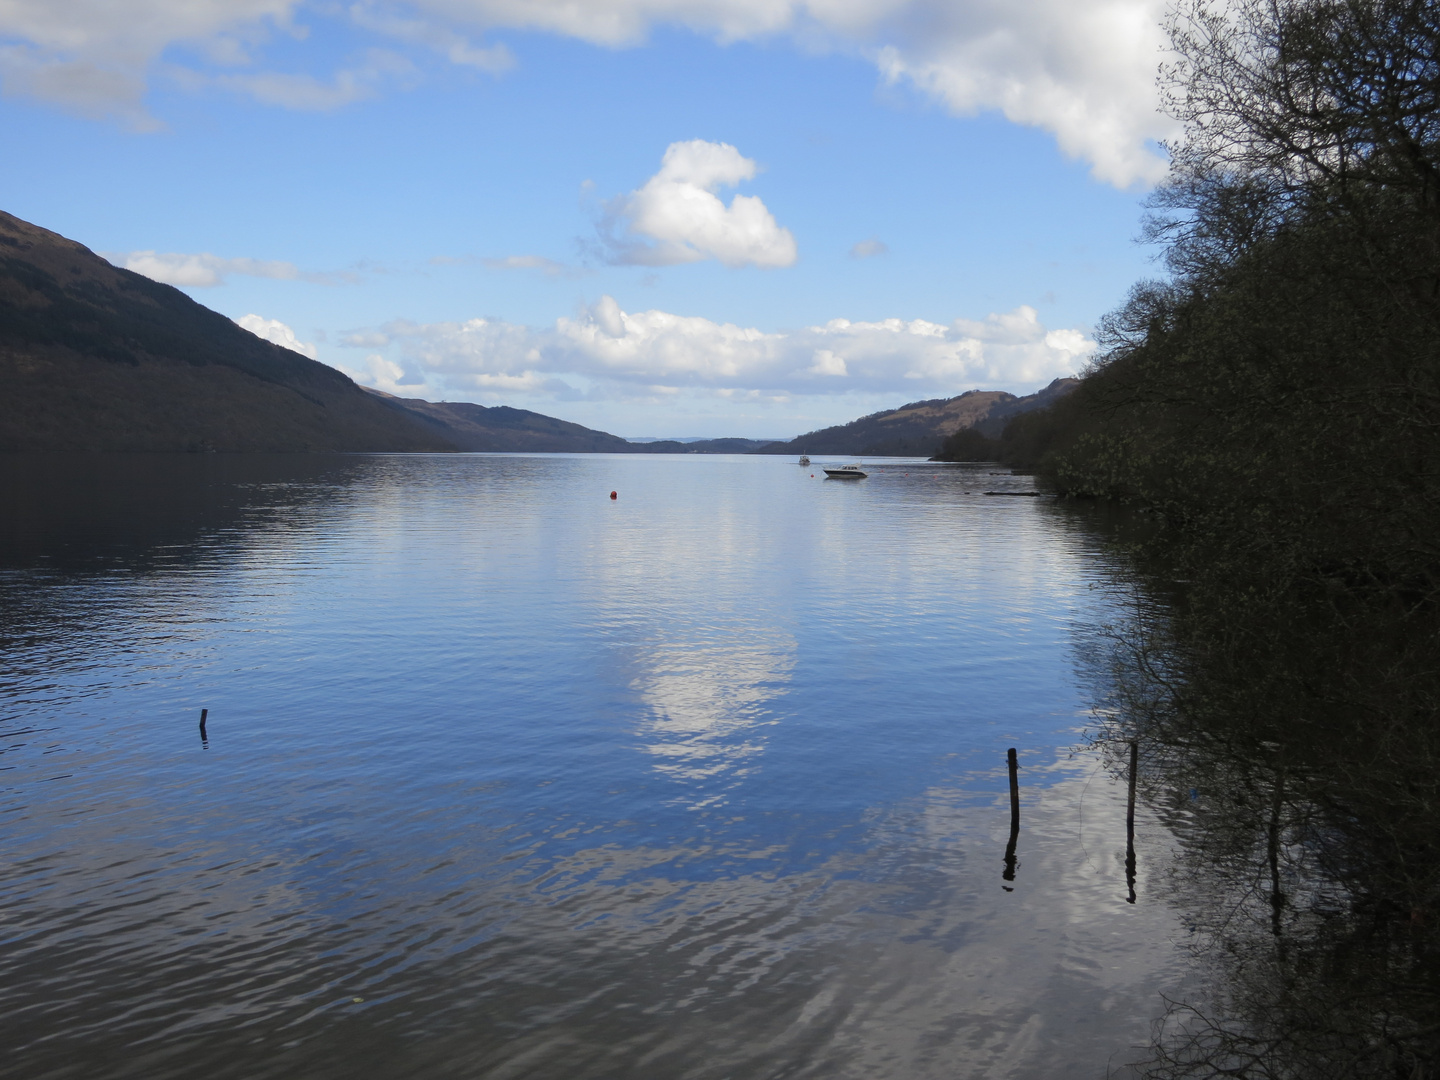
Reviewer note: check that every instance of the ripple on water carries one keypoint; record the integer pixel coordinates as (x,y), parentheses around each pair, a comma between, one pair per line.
(507,779)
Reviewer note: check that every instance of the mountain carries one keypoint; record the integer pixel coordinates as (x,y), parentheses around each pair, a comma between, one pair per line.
(701,446)
(995,420)
(915,429)
(501,428)
(918,429)
(93,357)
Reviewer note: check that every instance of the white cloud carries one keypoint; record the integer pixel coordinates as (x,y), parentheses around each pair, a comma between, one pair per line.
(80,86)
(548,267)
(442,39)
(305,93)
(365,339)
(94,56)
(642,354)
(679,213)
(276,331)
(868,249)
(375,370)
(198,271)
(1083,71)
(618,23)
(827,363)
(205,270)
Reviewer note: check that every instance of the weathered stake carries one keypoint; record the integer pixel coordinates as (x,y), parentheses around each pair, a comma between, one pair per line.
(1277,897)
(203,714)
(1014,787)
(1130,822)
(1010,864)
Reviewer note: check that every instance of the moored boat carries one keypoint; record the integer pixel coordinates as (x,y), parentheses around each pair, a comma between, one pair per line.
(804,459)
(845,472)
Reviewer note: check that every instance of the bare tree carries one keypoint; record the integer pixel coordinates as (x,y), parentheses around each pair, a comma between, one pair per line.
(1299,96)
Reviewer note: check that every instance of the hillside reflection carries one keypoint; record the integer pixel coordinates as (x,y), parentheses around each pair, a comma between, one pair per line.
(144,511)
(1288,738)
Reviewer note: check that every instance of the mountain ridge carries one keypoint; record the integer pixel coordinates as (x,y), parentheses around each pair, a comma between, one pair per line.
(98,358)
(919,428)
(94,357)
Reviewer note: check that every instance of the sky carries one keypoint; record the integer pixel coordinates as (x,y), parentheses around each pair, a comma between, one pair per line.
(654,217)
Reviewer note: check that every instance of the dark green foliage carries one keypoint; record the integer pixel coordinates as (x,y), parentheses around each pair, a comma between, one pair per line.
(1278,399)
(1275,406)
(1028,439)
(968,444)
(1291,409)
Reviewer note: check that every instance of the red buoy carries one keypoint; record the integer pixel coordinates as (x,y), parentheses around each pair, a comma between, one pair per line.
(613,495)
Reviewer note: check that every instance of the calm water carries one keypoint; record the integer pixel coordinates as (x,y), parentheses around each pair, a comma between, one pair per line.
(507,779)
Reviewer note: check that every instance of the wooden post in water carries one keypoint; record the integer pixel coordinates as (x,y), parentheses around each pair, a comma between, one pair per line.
(203,714)
(1009,874)
(1130,822)
(1277,897)
(1014,764)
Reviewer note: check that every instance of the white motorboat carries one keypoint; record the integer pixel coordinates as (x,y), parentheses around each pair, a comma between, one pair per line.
(804,459)
(845,472)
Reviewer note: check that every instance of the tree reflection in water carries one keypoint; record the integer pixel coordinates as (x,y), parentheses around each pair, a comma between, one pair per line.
(1287,733)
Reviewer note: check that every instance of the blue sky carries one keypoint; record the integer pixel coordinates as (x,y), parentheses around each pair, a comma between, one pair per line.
(655,217)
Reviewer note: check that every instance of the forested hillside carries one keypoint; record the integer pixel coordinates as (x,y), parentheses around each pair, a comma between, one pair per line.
(921,427)
(1279,390)
(1272,404)
(94,357)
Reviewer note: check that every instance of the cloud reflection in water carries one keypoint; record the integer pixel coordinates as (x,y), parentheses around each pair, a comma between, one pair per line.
(706,702)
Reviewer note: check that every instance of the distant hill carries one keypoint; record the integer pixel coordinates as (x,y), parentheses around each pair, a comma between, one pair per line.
(918,429)
(93,357)
(499,428)
(701,446)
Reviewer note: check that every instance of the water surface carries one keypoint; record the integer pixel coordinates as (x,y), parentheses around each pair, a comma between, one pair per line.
(505,778)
